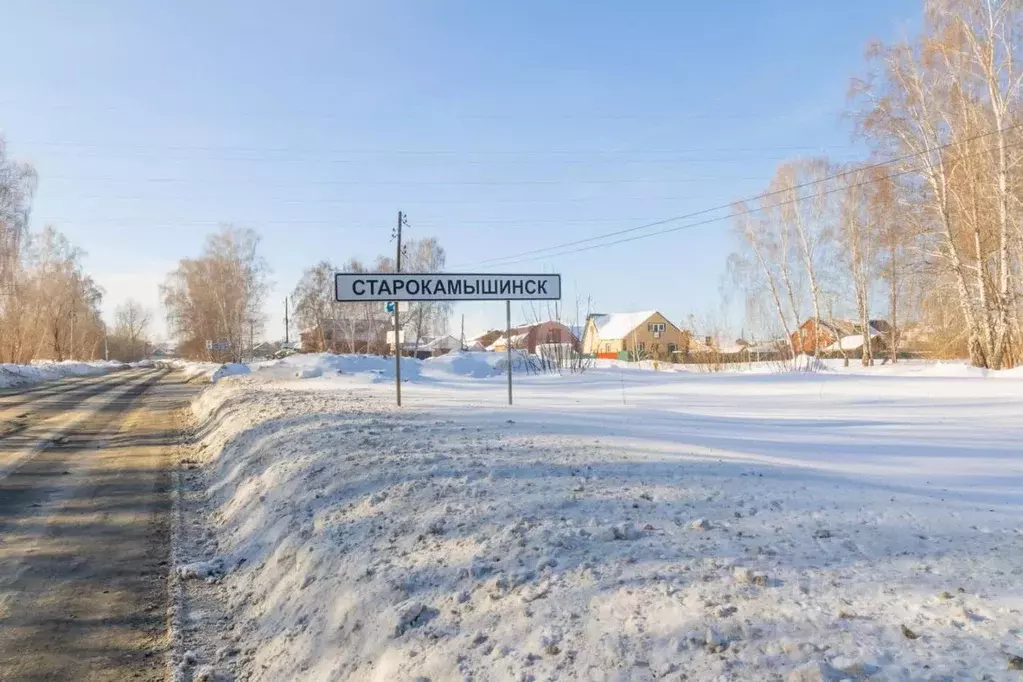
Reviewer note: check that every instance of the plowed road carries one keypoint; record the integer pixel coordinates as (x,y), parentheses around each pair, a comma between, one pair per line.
(84,526)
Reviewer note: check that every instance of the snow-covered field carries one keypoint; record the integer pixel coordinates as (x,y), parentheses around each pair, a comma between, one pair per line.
(37,372)
(616,525)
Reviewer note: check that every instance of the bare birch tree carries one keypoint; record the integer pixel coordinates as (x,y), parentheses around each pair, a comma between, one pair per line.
(218,296)
(17,185)
(946,105)
(313,303)
(857,241)
(129,341)
(426,318)
(758,271)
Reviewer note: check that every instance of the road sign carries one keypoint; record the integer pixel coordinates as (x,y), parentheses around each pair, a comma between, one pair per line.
(354,287)
(219,345)
(402,306)
(442,286)
(390,336)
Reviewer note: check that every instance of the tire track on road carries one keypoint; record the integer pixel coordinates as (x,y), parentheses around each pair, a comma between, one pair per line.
(38,406)
(19,397)
(63,413)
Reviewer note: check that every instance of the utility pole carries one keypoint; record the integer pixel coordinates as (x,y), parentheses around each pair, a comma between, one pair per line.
(397,321)
(252,347)
(286,339)
(462,338)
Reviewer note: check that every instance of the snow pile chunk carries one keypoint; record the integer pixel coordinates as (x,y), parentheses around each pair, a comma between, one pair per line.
(309,372)
(192,371)
(201,570)
(230,369)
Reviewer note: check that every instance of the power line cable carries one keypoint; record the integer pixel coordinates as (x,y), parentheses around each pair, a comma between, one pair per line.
(454,202)
(411,183)
(433,152)
(143,221)
(725,217)
(722,207)
(422,162)
(419,115)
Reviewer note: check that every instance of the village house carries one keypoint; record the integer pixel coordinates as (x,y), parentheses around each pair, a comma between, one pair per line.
(645,334)
(264,350)
(528,337)
(481,341)
(718,348)
(359,336)
(439,346)
(838,335)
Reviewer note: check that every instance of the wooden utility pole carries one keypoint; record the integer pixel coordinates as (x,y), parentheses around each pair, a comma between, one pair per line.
(287,340)
(397,321)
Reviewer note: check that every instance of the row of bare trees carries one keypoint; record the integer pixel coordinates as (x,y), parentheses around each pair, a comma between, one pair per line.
(49,306)
(216,299)
(362,327)
(929,231)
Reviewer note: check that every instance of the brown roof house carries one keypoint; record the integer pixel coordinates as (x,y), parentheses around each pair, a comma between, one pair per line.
(838,335)
(528,337)
(639,335)
(348,336)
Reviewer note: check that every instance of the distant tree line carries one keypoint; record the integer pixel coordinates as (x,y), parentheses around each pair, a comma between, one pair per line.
(928,231)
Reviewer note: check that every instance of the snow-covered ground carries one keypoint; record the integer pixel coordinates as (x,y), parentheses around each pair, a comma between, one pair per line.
(620,524)
(37,372)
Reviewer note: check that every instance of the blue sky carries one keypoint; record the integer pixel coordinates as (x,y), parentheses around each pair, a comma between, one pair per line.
(499,128)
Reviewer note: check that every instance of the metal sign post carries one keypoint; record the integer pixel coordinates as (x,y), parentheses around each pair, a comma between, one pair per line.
(397,322)
(358,287)
(507,311)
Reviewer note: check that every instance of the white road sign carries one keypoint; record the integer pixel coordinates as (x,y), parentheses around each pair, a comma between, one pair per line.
(442,286)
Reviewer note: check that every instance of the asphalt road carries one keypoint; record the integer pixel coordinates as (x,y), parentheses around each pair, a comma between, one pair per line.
(85,526)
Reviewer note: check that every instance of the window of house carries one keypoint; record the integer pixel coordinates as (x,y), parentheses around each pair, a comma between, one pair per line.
(641,346)
(672,348)
(553,336)
(708,340)
(655,327)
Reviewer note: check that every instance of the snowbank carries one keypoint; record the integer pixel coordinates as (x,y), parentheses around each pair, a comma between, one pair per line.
(716,526)
(471,364)
(312,365)
(231,369)
(802,363)
(211,372)
(192,370)
(23,375)
(457,364)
